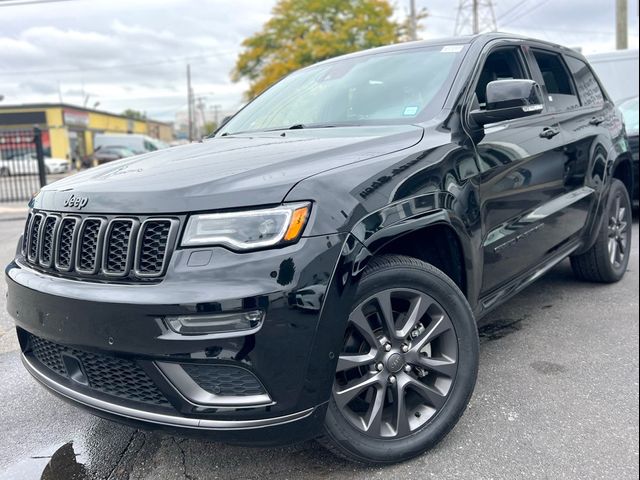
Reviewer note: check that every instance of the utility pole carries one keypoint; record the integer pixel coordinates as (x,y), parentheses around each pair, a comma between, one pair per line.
(475,16)
(189,104)
(413,21)
(621,25)
(216,114)
(201,107)
(475,21)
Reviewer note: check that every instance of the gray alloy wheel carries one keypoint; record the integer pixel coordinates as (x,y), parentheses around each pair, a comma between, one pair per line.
(618,232)
(606,261)
(398,363)
(407,365)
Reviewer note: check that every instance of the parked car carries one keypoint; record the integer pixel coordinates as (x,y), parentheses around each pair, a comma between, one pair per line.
(138,143)
(318,270)
(27,164)
(111,153)
(629,109)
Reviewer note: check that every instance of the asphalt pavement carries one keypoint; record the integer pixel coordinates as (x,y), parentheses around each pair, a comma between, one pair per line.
(557,397)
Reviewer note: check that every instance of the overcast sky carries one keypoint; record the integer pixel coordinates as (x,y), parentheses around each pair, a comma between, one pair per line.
(132,53)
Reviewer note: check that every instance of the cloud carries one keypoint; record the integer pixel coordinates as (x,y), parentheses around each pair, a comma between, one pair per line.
(133,54)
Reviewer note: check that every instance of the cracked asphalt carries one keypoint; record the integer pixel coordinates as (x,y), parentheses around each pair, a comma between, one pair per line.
(557,397)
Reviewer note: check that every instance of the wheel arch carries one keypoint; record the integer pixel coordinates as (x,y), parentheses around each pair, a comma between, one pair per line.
(622,169)
(436,236)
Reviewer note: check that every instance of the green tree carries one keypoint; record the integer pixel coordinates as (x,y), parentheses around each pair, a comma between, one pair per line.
(303,32)
(134,114)
(209,127)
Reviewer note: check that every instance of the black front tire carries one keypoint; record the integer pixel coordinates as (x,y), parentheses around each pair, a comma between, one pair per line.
(398,272)
(607,260)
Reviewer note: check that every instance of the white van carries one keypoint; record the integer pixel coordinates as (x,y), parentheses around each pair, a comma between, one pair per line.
(138,143)
(618,71)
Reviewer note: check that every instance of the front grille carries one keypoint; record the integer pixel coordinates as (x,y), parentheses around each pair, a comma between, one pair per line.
(106,374)
(224,380)
(119,245)
(106,248)
(48,238)
(89,245)
(153,246)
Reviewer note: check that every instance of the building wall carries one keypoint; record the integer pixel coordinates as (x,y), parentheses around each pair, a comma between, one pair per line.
(85,124)
(58,133)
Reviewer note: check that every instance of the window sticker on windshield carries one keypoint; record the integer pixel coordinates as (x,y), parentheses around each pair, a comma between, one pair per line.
(452,48)
(410,111)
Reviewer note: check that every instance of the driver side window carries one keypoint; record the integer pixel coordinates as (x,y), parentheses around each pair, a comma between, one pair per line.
(502,64)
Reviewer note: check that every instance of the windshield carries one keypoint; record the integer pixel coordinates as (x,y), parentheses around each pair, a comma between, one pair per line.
(394,87)
(629,111)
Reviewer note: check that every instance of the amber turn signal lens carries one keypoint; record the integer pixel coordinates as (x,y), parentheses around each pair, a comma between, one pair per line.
(298,219)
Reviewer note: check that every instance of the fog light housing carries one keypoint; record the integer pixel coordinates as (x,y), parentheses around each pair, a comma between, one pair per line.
(221,324)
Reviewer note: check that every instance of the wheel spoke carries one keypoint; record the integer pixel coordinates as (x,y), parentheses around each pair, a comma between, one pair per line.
(347,361)
(373,419)
(400,414)
(417,309)
(622,213)
(613,250)
(622,246)
(350,391)
(439,325)
(359,321)
(386,312)
(430,394)
(441,366)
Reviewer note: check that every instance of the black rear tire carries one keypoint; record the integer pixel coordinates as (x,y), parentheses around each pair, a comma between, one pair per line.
(607,260)
(428,423)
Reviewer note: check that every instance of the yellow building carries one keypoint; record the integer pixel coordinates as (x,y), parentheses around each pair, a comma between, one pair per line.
(68,131)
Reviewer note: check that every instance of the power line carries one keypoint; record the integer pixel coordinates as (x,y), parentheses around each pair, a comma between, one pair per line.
(512,9)
(522,14)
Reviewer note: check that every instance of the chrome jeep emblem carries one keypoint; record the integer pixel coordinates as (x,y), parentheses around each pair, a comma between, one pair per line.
(76,202)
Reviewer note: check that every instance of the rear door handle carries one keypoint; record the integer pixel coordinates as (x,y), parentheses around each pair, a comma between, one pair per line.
(549,132)
(596,120)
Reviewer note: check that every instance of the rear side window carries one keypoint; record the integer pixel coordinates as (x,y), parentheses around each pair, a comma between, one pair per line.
(588,87)
(557,80)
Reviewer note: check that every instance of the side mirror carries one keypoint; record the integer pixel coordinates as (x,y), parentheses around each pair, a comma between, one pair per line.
(508,100)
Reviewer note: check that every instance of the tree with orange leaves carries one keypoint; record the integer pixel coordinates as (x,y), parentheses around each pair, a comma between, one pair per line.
(303,32)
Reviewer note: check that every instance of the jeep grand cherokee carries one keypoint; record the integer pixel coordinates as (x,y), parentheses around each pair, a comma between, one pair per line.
(317,267)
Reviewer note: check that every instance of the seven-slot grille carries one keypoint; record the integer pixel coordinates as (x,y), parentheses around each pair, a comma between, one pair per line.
(125,248)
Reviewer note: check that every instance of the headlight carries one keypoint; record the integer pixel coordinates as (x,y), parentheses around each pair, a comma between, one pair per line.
(249,229)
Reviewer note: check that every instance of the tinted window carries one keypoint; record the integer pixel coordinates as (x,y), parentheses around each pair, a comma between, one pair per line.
(589,90)
(557,80)
(503,64)
(150,147)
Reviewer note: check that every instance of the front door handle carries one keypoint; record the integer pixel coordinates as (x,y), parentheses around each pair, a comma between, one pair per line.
(549,132)
(596,120)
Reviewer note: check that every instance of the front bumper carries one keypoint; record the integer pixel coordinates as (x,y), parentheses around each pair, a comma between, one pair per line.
(124,327)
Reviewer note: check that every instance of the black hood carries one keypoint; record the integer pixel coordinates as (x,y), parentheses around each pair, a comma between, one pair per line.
(223,172)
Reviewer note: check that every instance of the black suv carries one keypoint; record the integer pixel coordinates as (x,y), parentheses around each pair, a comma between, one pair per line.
(317,268)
